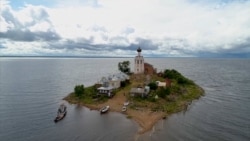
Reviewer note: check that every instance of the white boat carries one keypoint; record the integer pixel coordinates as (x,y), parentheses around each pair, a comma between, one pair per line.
(124,108)
(126,103)
(104,109)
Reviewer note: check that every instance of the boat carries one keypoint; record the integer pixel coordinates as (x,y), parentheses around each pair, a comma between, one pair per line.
(104,109)
(61,113)
(126,103)
(124,108)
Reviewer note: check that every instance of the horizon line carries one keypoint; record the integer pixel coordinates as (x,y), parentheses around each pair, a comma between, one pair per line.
(68,56)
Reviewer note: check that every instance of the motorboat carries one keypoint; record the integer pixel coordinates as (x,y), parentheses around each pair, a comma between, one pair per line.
(61,113)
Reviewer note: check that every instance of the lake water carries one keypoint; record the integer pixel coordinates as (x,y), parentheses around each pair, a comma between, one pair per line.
(31,90)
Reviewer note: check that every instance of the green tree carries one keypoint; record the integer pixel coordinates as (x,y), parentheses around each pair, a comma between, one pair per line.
(124,66)
(163,92)
(171,74)
(153,86)
(79,90)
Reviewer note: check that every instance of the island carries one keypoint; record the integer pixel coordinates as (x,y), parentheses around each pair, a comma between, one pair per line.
(147,96)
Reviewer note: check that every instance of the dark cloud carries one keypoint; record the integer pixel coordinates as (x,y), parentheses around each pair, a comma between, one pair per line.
(87,44)
(231,50)
(243,46)
(144,44)
(184,47)
(236,49)
(116,43)
(27,36)
(180,46)
(221,55)
(147,44)
(81,43)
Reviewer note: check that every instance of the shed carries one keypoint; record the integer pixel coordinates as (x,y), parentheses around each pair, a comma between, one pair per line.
(106,91)
(139,92)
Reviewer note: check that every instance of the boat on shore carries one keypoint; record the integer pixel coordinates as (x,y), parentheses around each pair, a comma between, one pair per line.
(61,113)
(124,109)
(126,103)
(104,109)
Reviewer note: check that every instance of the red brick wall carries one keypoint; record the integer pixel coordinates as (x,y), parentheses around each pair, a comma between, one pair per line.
(149,69)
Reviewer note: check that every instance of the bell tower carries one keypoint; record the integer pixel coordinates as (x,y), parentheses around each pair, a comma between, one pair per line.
(139,62)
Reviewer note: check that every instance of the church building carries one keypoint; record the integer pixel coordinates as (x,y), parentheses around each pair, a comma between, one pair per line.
(139,62)
(141,67)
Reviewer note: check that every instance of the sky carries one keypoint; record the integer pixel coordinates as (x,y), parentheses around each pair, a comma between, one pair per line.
(116,28)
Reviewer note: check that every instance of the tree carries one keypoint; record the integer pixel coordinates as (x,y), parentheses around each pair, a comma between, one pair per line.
(124,66)
(171,74)
(153,86)
(163,92)
(79,90)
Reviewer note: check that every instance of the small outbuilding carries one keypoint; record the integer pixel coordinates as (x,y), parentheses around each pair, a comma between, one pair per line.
(106,91)
(143,92)
(108,84)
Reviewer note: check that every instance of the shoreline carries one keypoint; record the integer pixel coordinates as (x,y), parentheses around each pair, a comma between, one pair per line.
(145,118)
(146,113)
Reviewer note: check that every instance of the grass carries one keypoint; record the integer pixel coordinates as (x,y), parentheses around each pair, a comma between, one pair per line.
(177,100)
(89,97)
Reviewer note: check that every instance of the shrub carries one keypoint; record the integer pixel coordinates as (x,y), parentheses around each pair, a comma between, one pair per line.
(175,89)
(124,83)
(79,90)
(182,80)
(163,92)
(171,74)
(124,66)
(153,86)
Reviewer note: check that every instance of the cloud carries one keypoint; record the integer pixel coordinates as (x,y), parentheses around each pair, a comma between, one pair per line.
(128,30)
(30,24)
(28,36)
(160,28)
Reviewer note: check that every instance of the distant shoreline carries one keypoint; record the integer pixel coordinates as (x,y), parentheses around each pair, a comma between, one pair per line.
(64,57)
(177,57)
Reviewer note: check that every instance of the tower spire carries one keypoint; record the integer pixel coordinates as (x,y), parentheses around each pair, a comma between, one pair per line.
(139,51)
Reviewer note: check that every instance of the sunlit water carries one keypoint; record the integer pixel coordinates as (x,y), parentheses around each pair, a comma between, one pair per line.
(31,90)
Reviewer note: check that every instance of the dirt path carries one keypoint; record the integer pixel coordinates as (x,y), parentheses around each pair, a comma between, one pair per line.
(144,117)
